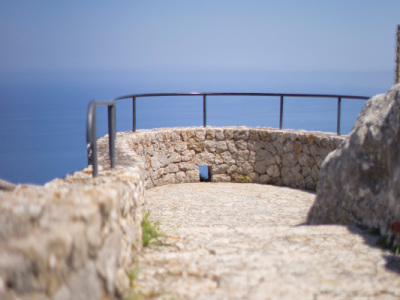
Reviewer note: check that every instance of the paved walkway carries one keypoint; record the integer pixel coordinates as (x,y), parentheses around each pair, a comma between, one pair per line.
(247,241)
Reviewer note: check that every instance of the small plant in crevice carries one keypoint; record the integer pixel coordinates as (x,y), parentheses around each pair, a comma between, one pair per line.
(150,231)
(240,178)
(132,276)
(244,179)
(389,241)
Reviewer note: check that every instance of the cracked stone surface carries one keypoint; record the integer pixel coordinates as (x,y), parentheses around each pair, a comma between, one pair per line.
(249,241)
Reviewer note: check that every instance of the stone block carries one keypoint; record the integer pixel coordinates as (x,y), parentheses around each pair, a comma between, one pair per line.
(264,179)
(304,160)
(232,169)
(188,155)
(289,159)
(298,147)
(185,166)
(231,146)
(219,134)
(219,169)
(196,146)
(175,158)
(260,167)
(228,134)
(265,136)
(227,158)
(241,134)
(220,178)
(180,147)
(245,168)
(204,158)
(254,135)
(273,171)
(193,175)
(256,145)
(172,168)
(180,177)
(241,156)
(210,134)
(221,147)
(253,177)
(210,145)
(288,146)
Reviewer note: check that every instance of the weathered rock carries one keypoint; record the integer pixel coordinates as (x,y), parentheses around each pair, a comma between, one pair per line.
(359,183)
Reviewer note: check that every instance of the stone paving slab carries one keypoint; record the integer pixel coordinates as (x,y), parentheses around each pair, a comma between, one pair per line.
(248,241)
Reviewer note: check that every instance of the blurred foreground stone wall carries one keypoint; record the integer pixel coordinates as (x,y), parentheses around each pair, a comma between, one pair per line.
(74,238)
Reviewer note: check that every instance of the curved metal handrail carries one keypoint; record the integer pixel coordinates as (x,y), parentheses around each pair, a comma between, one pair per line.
(281,95)
(91,117)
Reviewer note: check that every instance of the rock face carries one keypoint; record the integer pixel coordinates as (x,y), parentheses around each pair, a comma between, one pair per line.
(359,183)
(233,154)
(71,239)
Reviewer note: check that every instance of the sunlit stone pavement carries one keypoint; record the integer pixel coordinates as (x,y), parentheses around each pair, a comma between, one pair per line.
(248,241)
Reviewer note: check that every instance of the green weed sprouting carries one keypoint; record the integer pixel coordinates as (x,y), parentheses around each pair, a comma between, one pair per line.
(384,241)
(149,230)
(243,179)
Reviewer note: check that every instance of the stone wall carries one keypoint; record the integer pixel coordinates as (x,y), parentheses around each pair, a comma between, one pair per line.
(233,154)
(71,239)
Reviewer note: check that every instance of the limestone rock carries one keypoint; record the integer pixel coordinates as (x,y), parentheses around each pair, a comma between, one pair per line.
(359,183)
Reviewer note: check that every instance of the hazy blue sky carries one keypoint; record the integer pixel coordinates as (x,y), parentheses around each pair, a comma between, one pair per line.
(339,35)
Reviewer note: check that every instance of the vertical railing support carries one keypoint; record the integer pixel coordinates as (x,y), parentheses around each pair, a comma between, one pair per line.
(111,133)
(91,134)
(204,111)
(339,108)
(134,114)
(281,113)
(397,75)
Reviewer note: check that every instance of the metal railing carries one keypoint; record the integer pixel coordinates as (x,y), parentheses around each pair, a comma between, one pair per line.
(91,116)
(91,133)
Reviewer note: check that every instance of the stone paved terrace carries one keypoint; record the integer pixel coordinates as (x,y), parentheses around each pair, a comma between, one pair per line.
(248,241)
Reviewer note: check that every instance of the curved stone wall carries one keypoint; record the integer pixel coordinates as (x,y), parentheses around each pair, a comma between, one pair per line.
(233,154)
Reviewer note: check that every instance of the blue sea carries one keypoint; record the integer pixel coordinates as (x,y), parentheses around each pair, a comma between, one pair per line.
(43,114)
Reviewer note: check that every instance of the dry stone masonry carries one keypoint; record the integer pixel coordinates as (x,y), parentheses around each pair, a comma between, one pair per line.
(71,239)
(233,154)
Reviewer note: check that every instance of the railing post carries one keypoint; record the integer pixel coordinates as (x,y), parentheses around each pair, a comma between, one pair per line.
(281,113)
(134,114)
(91,137)
(204,111)
(112,132)
(339,107)
(397,76)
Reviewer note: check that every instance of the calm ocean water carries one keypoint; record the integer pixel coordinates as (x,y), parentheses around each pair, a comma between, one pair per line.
(43,116)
